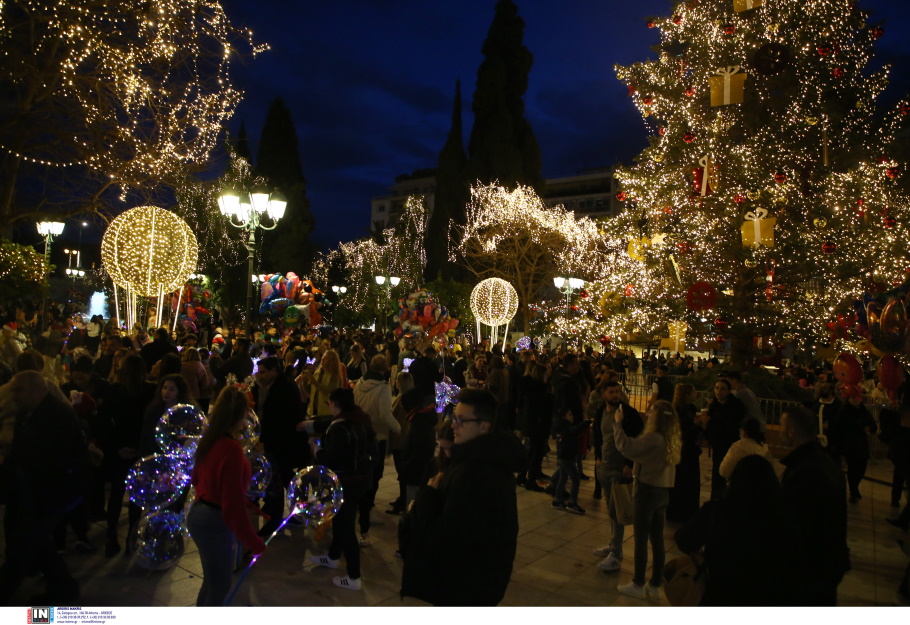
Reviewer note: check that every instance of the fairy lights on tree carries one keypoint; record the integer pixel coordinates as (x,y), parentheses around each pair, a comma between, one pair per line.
(105,98)
(770,175)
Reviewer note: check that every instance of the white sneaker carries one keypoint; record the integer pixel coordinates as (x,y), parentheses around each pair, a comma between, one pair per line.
(365,540)
(631,589)
(603,552)
(347,582)
(653,591)
(610,563)
(324,561)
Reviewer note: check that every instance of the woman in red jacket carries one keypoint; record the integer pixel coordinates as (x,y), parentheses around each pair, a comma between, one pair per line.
(221,476)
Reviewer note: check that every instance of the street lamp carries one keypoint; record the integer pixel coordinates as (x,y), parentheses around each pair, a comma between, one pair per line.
(567,286)
(49,230)
(389,282)
(246,212)
(338,291)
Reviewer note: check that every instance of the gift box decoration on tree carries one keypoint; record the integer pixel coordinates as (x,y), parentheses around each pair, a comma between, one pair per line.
(744,5)
(705,177)
(758,229)
(638,248)
(728,86)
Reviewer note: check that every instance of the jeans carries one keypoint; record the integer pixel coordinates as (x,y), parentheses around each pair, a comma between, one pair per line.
(344,537)
(650,507)
(216,544)
(568,470)
(607,479)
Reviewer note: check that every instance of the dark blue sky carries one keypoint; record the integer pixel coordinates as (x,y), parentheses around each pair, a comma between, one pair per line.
(370,84)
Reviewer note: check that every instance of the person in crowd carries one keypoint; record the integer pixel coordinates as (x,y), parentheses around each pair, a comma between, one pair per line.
(93,334)
(475,376)
(171,390)
(535,418)
(218,517)
(357,364)
(827,408)
(462,546)
(322,382)
(686,491)
(403,383)
(374,396)
(655,453)
(407,351)
(104,364)
(161,345)
(567,397)
(239,364)
(277,403)
(124,408)
(661,388)
(751,442)
(48,455)
(420,440)
(813,492)
(347,447)
(725,416)
(850,437)
(197,377)
(499,384)
(567,433)
(744,394)
(897,437)
(746,537)
(426,371)
(615,468)
(459,368)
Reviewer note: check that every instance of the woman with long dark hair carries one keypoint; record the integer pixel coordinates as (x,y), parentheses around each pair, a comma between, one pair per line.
(725,415)
(686,491)
(172,390)
(218,518)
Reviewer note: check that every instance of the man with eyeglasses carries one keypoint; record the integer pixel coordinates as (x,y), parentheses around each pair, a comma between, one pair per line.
(465,521)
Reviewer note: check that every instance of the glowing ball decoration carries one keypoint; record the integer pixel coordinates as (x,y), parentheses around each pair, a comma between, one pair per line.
(149,250)
(315,494)
(157,481)
(179,430)
(161,540)
(261,473)
(494,302)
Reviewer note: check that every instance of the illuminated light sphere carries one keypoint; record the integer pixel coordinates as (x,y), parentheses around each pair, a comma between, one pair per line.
(494,302)
(157,481)
(149,250)
(315,494)
(161,540)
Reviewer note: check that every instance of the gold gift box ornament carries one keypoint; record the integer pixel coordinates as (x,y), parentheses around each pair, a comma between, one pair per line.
(744,5)
(758,229)
(728,87)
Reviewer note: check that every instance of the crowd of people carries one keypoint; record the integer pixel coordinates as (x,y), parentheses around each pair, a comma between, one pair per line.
(773,532)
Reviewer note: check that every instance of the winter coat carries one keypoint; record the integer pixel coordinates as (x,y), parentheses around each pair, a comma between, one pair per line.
(374,396)
(419,445)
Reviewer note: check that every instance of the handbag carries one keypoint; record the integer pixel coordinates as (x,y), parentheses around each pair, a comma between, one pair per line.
(621,497)
(684,580)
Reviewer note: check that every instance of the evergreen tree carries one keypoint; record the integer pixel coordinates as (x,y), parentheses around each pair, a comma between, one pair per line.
(287,247)
(502,146)
(451,196)
(242,144)
(769,196)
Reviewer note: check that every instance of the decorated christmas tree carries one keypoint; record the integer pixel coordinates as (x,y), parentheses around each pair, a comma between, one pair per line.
(768,198)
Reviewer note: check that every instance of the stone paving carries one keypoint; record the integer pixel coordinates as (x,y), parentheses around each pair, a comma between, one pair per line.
(554,565)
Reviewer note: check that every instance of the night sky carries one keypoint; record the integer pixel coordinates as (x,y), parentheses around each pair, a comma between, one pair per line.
(370,85)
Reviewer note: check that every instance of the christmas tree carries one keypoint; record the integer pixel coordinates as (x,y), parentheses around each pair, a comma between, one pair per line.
(768,198)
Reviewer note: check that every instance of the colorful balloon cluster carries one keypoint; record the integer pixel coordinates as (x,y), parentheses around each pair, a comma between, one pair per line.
(446,393)
(194,302)
(419,315)
(290,298)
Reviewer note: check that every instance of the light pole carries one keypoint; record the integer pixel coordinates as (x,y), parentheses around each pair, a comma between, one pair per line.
(49,230)
(246,212)
(389,282)
(338,291)
(567,286)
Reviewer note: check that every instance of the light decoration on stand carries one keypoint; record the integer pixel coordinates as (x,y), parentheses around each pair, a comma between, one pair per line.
(147,251)
(494,302)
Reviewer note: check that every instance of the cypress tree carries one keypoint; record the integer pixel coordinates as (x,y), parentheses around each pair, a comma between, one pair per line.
(242,145)
(502,145)
(451,196)
(287,247)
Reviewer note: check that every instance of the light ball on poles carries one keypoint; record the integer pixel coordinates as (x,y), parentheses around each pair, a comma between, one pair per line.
(149,250)
(494,302)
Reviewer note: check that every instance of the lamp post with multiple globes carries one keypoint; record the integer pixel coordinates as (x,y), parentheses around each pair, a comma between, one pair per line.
(567,286)
(388,282)
(49,230)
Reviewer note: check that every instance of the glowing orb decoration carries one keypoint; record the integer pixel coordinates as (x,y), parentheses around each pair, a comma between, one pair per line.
(161,540)
(494,302)
(262,473)
(179,430)
(445,395)
(149,250)
(314,494)
(249,437)
(157,481)
(525,342)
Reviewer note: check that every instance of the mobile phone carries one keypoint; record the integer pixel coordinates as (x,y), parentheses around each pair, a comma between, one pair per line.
(317,442)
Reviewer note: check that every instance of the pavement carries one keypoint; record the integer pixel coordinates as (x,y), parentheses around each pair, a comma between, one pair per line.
(553,566)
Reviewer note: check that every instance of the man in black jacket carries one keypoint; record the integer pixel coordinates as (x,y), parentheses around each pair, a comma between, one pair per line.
(465,521)
(813,490)
(277,402)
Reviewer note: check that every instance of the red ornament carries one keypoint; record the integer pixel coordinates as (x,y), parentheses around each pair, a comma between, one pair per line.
(651,24)
(621,196)
(877,32)
(661,131)
(729,29)
(739,199)
(668,210)
(829,247)
(684,247)
(720,323)
(632,89)
(860,201)
(905,109)
(690,91)
(583,294)
(628,291)
(780,177)
(647,100)
(838,72)
(892,172)
(677,19)
(824,50)
(890,222)
(882,159)
(689,137)
(701,296)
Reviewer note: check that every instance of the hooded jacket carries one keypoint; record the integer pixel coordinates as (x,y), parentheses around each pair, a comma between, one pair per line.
(374,396)
(465,532)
